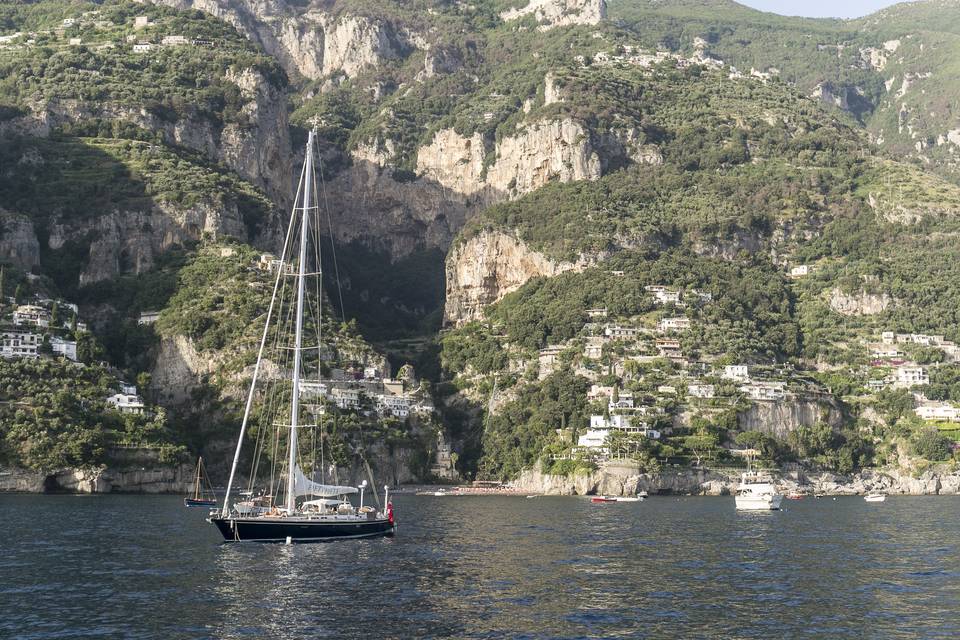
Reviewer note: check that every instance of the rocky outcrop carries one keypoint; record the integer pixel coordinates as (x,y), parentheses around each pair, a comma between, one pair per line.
(130,241)
(310,42)
(179,369)
(625,479)
(18,240)
(353,44)
(539,153)
(368,204)
(558,13)
(779,417)
(258,150)
(148,476)
(488,266)
(858,304)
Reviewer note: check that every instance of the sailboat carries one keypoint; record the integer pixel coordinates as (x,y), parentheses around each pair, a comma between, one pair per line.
(200,484)
(310,510)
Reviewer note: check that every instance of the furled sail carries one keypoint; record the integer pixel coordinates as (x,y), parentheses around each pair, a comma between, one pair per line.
(304,486)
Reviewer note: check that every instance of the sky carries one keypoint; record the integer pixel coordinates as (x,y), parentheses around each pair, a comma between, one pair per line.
(820,8)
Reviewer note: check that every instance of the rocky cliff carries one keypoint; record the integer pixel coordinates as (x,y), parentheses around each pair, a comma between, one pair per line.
(311,43)
(18,240)
(488,266)
(179,369)
(130,241)
(624,479)
(540,152)
(779,417)
(558,13)
(258,150)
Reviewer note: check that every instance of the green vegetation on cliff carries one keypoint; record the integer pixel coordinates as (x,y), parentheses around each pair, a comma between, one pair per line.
(53,415)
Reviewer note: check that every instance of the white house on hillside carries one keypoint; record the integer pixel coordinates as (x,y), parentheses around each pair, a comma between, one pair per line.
(701,390)
(938,411)
(739,372)
(31,315)
(909,376)
(19,344)
(125,403)
(65,348)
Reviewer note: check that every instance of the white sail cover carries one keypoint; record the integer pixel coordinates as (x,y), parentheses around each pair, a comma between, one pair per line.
(304,486)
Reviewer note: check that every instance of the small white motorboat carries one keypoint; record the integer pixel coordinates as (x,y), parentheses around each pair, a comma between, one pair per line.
(875,496)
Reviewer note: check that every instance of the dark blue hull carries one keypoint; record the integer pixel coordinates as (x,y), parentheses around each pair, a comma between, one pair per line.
(300,529)
(193,502)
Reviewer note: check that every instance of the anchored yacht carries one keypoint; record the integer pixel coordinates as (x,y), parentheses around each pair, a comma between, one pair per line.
(756,491)
(312,508)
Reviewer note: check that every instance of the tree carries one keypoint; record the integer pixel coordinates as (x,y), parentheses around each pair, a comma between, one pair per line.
(702,444)
(55,315)
(143,382)
(19,294)
(931,444)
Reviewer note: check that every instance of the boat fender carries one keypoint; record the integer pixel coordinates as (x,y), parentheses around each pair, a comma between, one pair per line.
(390,512)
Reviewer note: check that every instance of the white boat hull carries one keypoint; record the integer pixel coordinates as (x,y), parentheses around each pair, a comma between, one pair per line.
(875,498)
(759,503)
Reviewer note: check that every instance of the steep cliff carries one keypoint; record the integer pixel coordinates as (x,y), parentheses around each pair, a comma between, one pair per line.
(257,150)
(539,153)
(779,417)
(488,266)
(159,199)
(18,240)
(311,42)
(558,13)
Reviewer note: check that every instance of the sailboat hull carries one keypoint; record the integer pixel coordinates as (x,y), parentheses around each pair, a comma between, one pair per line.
(299,529)
(198,502)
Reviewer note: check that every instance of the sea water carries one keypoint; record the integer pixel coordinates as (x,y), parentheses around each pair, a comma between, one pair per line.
(488,567)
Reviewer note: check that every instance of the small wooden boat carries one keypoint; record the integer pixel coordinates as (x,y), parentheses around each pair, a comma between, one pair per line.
(875,496)
(615,499)
(795,496)
(200,486)
(601,499)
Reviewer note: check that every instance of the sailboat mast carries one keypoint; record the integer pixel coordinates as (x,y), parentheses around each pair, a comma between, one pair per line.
(298,336)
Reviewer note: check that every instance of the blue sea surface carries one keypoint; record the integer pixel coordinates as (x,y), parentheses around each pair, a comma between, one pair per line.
(488,567)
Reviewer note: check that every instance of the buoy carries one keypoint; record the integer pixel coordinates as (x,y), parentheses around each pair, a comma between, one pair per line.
(289,539)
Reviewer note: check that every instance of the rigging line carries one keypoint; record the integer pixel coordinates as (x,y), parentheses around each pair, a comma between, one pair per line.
(333,247)
(256,371)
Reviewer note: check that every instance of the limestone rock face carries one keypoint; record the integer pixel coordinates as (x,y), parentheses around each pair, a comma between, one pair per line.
(311,43)
(544,151)
(353,43)
(558,13)
(259,152)
(487,267)
(625,479)
(18,240)
(859,304)
(130,241)
(368,204)
(178,368)
(780,417)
